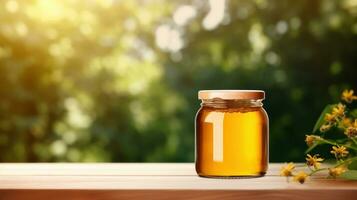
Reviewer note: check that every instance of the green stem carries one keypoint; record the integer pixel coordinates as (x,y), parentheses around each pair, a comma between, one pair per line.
(346,161)
(339,164)
(311,170)
(317,170)
(328,141)
(354,140)
(336,144)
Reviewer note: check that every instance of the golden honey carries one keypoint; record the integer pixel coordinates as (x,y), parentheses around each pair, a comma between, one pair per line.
(231,134)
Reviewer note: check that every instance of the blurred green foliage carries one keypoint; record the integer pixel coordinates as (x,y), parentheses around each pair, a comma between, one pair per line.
(117,81)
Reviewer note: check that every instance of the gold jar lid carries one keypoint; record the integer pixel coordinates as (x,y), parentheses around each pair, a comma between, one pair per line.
(231,94)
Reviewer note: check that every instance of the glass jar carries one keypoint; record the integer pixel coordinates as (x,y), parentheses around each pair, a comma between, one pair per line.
(232,131)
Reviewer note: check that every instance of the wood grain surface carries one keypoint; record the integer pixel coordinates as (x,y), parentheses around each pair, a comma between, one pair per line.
(156,181)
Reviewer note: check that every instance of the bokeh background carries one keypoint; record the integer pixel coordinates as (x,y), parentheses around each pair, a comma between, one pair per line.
(117,81)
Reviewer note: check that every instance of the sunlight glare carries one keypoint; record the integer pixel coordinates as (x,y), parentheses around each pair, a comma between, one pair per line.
(168,38)
(215,15)
(184,14)
(12,6)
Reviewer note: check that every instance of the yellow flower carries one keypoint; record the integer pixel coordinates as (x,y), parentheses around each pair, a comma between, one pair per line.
(345,122)
(287,169)
(310,139)
(336,171)
(347,96)
(351,132)
(325,127)
(339,110)
(330,117)
(339,151)
(300,177)
(313,161)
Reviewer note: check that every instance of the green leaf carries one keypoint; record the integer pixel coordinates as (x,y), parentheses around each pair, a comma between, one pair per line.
(350,175)
(321,119)
(353,165)
(353,113)
(342,140)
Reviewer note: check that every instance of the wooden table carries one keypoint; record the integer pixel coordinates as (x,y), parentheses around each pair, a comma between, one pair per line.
(155,181)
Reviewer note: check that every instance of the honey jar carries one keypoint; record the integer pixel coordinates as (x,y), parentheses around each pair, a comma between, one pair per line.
(232,131)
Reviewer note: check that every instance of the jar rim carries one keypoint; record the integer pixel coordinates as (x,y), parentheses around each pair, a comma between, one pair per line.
(231,94)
